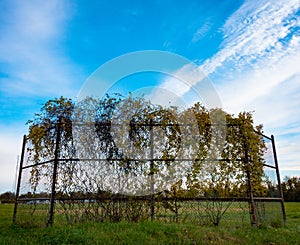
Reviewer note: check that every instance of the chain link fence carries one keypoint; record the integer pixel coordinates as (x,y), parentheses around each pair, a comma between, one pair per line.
(67,189)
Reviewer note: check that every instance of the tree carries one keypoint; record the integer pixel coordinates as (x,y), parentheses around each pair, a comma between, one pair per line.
(131,132)
(42,137)
(291,189)
(7,197)
(222,167)
(42,132)
(218,164)
(131,146)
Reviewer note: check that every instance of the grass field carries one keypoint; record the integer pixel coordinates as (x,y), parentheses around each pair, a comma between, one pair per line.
(149,232)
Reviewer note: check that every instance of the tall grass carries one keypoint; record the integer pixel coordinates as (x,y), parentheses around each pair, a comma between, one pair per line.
(149,232)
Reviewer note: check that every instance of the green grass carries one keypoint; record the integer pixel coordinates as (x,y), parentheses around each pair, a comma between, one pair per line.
(149,232)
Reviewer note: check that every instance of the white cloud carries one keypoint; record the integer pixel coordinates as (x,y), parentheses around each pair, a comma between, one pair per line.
(257,69)
(181,81)
(33,64)
(288,153)
(253,32)
(202,31)
(11,144)
(249,85)
(31,51)
(181,87)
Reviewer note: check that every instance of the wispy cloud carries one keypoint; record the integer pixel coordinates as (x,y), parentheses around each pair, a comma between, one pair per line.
(11,143)
(260,50)
(181,87)
(254,32)
(259,66)
(259,58)
(202,31)
(32,65)
(31,50)
(257,69)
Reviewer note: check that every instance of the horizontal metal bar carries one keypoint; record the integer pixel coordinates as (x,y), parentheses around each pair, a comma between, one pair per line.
(152,124)
(137,124)
(37,164)
(158,199)
(143,159)
(269,166)
(27,199)
(129,159)
(267,199)
(265,136)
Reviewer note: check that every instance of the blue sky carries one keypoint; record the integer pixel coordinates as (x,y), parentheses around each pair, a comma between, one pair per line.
(250,50)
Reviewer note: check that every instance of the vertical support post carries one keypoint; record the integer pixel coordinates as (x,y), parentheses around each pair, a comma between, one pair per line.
(251,199)
(54,175)
(252,207)
(151,171)
(19,179)
(278,179)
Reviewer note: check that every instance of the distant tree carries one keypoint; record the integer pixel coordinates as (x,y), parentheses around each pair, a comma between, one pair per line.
(291,189)
(7,197)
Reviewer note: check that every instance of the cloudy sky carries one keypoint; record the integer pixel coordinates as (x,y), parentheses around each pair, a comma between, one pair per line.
(250,51)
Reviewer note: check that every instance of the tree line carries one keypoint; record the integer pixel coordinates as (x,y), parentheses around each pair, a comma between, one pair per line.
(290,187)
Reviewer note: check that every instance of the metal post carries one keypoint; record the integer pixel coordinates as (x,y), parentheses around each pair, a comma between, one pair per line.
(54,175)
(19,179)
(278,179)
(252,207)
(250,191)
(151,171)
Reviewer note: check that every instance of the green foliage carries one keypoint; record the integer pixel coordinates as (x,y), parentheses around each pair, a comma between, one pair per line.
(291,189)
(42,136)
(222,170)
(224,158)
(221,165)
(7,197)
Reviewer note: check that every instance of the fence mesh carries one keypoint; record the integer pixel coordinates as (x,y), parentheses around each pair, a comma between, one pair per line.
(83,191)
